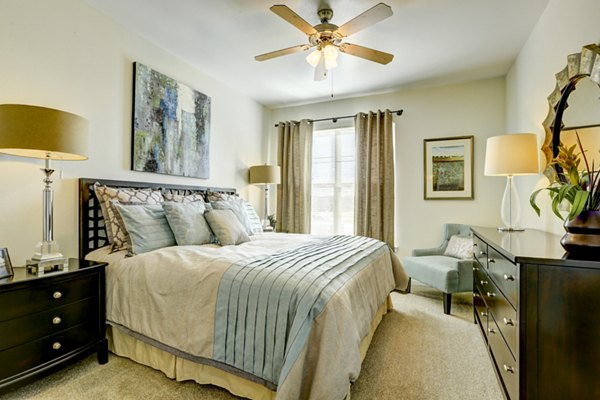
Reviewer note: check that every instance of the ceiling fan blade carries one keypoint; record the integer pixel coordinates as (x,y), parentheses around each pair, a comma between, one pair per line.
(282,52)
(320,70)
(373,15)
(290,16)
(366,53)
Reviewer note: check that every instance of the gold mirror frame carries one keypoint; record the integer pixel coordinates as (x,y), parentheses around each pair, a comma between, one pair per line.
(579,65)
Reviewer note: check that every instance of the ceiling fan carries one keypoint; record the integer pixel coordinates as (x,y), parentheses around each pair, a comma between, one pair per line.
(327,38)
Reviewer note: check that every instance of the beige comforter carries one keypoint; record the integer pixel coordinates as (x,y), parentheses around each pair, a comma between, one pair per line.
(169,295)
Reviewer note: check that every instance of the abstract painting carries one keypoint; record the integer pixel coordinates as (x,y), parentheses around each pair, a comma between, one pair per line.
(171,126)
(448,166)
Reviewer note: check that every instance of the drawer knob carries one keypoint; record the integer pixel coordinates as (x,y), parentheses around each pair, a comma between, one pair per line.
(508,368)
(482,253)
(508,277)
(57,295)
(475,294)
(491,330)
(474,244)
(483,283)
(56,346)
(508,321)
(475,269)
(56,320)
(490,294)
(491,261)
(484,314)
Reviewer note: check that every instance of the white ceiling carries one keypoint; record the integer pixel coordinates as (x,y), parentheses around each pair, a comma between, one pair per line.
(433,41)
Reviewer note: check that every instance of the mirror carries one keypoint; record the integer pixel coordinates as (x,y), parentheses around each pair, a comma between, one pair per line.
(574,107)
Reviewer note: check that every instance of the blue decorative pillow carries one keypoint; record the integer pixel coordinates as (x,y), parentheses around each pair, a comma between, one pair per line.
(147,227)
(187,222)
(236,205)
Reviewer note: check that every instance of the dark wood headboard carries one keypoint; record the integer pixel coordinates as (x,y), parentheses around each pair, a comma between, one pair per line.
(92,233)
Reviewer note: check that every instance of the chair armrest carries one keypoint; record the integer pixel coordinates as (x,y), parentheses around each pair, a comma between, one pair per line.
(435,251)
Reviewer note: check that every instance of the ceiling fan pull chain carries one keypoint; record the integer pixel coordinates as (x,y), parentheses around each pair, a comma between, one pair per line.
(331,75)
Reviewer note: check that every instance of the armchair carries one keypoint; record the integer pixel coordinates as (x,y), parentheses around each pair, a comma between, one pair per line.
(445,273)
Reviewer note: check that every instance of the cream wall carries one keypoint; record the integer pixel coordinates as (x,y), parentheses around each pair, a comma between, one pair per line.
(475,108)
(64,54)
(564,27)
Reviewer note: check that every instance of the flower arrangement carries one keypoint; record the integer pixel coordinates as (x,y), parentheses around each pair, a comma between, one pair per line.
(580,189)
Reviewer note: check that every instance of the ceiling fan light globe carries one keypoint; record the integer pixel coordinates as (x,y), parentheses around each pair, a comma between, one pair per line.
(313,58)
(330,52)
(330,64)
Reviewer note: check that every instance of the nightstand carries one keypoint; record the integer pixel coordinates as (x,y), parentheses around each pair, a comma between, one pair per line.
(48,321)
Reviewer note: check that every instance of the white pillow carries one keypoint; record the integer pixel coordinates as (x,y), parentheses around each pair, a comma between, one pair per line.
(460,247)
(253,218)
(237,206)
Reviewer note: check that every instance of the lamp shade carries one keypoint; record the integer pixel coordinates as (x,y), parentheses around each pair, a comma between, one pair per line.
(39,132)
(513,154)
(265,174)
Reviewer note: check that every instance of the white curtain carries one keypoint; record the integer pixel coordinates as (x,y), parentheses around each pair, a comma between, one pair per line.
(375,177)
(294,156)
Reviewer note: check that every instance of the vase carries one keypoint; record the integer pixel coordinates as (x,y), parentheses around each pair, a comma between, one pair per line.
(583,235)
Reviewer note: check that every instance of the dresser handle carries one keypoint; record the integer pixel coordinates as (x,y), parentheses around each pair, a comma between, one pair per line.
(508,368)
(484,314)
(508,321)
(56,320)
(483,283)
(482,253)
(57,295)
(491,330)
(490,294)
(475,268)
(474,244)
(475,294)
(56,346)
(491,261)
(509,277)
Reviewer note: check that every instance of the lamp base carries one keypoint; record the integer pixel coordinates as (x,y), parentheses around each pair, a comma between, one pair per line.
(47,259)
(508,229)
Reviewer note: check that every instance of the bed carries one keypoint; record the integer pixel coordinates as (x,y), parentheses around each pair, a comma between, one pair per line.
(281,316)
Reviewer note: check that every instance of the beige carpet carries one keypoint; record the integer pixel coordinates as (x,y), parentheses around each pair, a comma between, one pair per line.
(416,353)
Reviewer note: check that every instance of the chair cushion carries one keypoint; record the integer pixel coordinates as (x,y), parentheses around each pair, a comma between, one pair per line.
(440,272)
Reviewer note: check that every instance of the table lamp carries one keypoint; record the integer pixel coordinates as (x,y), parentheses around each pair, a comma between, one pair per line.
(265,175)
(48,134)
(510,155)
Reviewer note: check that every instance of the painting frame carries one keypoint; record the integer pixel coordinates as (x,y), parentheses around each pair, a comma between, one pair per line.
(448,168)
(170,129)
(6,269)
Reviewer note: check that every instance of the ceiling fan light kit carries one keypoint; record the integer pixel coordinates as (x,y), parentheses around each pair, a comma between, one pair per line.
(327,38)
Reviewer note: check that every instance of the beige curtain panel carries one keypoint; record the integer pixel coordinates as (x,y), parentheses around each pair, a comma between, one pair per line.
(374,200)
(294,155)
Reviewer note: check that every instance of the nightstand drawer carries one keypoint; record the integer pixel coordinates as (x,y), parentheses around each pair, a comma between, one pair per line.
(34,299)
(22,358)
(31,327)
(505,362)
(504,273)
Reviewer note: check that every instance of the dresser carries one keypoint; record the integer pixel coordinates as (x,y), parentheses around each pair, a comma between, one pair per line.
(48,321)
(539,314)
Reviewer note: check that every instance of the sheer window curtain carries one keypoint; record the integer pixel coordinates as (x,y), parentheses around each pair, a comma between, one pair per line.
(375,176)
(294,155)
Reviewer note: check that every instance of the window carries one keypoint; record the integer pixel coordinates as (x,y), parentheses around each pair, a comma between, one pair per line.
(333,170)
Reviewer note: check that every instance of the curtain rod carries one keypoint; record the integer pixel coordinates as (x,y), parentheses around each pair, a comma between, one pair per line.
(335,119)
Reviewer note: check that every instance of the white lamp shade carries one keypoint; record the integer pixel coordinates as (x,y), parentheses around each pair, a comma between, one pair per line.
(313,58)
(265,174)
(512,154)
(39,132)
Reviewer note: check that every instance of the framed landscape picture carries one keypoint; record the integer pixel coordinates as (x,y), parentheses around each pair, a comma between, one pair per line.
(6,269)
(448,164)
(171,126)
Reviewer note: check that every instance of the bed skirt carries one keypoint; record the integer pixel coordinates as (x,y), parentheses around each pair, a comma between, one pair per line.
(181,369)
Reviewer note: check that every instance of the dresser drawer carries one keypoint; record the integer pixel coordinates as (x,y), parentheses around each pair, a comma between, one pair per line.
(505,362)
(480,310)
(480,251)
(38,298)
(504,314)
(24,329)
(22,358)
(504,273)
